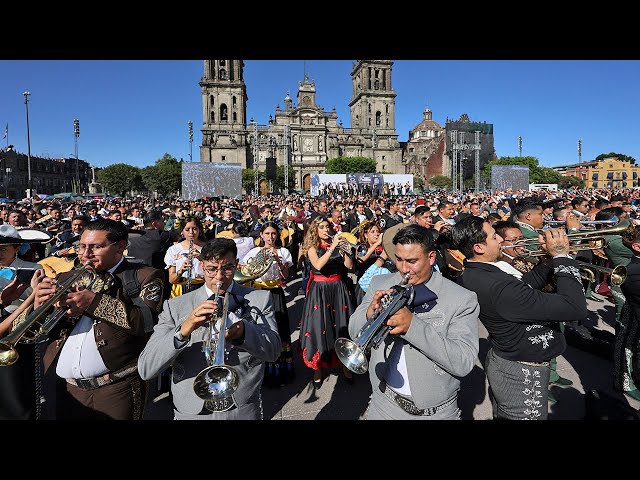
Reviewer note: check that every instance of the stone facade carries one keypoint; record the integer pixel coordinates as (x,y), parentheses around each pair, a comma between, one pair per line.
(48,175)
(304,133)
(466,134)
(424,152)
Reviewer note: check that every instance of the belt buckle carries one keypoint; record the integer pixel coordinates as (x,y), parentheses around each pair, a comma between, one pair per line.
(85,383)
(220,405)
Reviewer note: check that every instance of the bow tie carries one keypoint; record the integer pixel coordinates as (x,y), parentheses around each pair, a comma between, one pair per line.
(424,299)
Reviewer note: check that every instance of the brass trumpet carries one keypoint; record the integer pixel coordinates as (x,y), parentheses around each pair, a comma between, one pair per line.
(348,242)
(595,240)
(617,274)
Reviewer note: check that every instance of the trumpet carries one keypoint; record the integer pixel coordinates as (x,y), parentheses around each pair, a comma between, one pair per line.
(595,239)
(348,242)
(31,330)
(216,383)
(353,353)
(617,274)
(561,223)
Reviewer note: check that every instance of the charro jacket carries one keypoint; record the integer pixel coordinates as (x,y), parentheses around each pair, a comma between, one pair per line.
(121,327)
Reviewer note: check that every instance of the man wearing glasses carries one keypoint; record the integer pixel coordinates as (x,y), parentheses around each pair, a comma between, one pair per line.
(251,339)
(94,349)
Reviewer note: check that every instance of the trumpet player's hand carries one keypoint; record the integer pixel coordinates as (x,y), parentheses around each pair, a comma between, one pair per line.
(336,240)
(75,303)
(555,241)
(44,290)
(12,292)
(235,331)
(196,319)
(375,302)
(400,322)
(439,224)
(572,222)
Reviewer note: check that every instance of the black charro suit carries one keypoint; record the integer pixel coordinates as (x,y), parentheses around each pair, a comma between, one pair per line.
(519,319)
(628,331)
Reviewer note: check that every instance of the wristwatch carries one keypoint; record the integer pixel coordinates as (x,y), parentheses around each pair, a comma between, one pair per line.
(181,338)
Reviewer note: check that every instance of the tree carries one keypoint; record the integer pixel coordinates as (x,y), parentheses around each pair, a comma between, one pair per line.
(621,156)
(120,178)
(568,182)
(440,181)
(248,181)
(165,177)
(351,165)
(278,183)
(545,175)
(418,183)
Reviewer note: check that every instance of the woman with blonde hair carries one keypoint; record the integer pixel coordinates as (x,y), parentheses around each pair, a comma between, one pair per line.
(328,304)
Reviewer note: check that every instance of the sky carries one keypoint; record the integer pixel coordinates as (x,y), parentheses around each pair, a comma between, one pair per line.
(135,111)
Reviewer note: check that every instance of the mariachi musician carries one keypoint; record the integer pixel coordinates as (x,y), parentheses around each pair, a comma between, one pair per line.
(279,372)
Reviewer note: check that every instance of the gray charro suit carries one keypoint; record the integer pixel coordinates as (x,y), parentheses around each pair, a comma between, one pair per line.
(440,346)
(261,344)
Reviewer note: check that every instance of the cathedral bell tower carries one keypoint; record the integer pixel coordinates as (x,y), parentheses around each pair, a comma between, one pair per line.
(224,112)
(373,101)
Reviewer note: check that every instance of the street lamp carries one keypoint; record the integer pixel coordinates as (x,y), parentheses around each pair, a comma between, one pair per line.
(76,134)
(26,106)
(190,124)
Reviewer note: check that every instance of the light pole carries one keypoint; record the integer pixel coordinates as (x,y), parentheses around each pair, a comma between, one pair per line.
(580,158)
(26,106)
(190,124)
(520,146)
(76,134)
(6,182)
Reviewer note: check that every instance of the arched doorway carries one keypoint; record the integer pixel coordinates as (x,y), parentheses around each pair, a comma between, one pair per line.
(306,182)
(264,187)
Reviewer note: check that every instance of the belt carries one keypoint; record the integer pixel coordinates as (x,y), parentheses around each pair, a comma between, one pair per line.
(410,407)
(536,364)
(220,405)
(106,379)
(324,278)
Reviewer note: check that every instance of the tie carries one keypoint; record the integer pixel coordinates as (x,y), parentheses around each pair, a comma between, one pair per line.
(424,299)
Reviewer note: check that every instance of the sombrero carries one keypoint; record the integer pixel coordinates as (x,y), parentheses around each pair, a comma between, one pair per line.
(387,240)
(10,235)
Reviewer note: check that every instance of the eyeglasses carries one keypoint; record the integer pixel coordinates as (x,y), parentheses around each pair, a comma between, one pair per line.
(226,269)
(96,249)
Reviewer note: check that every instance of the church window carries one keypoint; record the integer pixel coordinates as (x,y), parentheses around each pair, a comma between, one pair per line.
(376,85)
(223,112)
(235,117)
(369,121)
(387,109)
(213,116)
(387,122)
(234,101)
(357,120)
(378,118)
(369,108)
(222,74)
(211,100)
(223,63)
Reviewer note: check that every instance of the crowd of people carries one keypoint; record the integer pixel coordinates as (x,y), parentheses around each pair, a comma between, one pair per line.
(143,290)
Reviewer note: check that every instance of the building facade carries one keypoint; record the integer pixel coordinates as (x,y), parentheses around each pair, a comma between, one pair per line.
(465,131)
(424,152)
(48,175)
(302,135)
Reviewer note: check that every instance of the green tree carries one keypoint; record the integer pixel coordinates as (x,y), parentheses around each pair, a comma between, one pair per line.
(440,181)
(165,177)
(569,182)
(278,183)
(120,178)
(547,175)
(418,183)
(248,181)
(621,156)
(350,165)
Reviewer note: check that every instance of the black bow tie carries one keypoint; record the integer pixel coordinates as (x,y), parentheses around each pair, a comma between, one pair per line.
(424,299)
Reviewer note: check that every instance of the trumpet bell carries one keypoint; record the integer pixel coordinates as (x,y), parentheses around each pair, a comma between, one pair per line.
(216,382)
(8,355)
(351,355)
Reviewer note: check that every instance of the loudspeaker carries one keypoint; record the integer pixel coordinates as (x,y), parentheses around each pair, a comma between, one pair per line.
(271,168)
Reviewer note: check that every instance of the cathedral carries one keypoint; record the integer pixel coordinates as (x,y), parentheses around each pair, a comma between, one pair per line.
(302,133)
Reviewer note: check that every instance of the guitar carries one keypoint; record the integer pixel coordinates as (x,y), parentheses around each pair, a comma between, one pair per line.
(54,265)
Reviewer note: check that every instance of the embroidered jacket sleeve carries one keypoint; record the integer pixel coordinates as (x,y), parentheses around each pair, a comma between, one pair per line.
(539,277)
(518,302)
(135,318)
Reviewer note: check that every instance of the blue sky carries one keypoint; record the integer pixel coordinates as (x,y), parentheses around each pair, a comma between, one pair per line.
(136,111)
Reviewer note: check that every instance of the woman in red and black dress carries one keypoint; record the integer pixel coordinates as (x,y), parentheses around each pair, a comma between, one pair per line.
(367,252)
(328,304)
